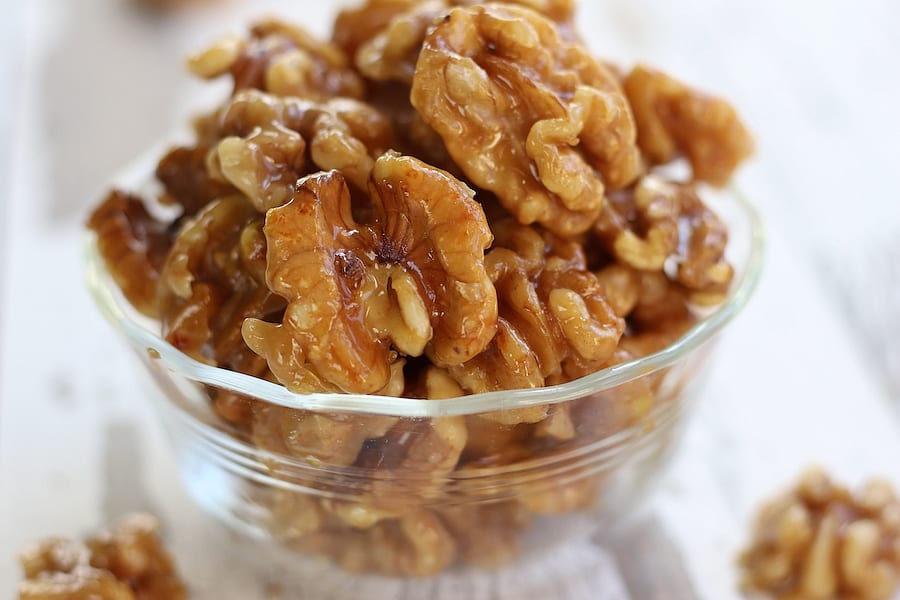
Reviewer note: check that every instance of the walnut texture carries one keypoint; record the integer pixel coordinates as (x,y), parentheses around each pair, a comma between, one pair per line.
(528,116)
(360,295)
(127,562)
(821,541)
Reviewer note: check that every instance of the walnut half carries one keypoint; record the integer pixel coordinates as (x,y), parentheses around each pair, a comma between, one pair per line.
(525,114)
(820,541)
(410,281)
(126,563)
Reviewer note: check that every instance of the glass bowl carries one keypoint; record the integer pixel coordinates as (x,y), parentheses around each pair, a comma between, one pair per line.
(311,476)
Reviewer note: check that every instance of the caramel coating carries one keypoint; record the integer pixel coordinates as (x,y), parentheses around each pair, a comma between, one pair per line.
(353,27)
(341,134)
(384,37)
(334,439)
(265,165)
(392,52)
(280,58)
(487,536)
(526,115)
(417,545)
(411,280)
(186,180)
(126,563)
(212,281)
(133,245)
(657,221)
(674,119)
(551,308)
(819,541)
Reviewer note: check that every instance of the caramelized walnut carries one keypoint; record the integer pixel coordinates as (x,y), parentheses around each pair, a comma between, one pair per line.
(416,545)
(391,53)
(622,287)
(487,535)
(561,11)
(611,411)
(265,165)
(384,37)
(126,563)
(341,134)
(526,115)
(565,496)
(820,541)
(674,119)
(657,221)
(414,457)
(211,282)
(282,59)
(186,180)
(551,308)
(411,280)
(133,245)
(333,439)
(652,207)
(356,26)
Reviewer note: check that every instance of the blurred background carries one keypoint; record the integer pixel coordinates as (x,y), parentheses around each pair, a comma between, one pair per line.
(811,373)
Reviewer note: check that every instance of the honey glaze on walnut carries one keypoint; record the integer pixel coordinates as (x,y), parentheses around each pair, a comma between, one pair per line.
(820,540)
(127,562)
(448,197)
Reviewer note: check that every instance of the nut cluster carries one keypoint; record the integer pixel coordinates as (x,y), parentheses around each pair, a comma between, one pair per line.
(820,541)
(447,198)
(127,562)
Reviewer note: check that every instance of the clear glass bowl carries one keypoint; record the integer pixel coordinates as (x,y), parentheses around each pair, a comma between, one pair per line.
(395,508)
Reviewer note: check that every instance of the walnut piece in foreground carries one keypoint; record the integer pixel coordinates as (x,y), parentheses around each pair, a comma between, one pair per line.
(820,541)
(127,562)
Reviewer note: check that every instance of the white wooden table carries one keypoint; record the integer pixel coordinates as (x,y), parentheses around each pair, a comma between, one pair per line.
(87,84)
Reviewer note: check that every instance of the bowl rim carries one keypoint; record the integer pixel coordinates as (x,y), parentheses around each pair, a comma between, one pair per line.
(125,319)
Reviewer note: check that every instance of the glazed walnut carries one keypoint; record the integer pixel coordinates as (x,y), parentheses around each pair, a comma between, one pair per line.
(391,53)
(487,535)
(411,281)
(265,165)
(213,280)
(334,439)
(526,115)
(820,541)
(126,563)
(282,59)
(186,180)
(552,309)
(341,134)
(384,37)
(133,244)
(416,545)
(657,221)
(353,27)
(673,119)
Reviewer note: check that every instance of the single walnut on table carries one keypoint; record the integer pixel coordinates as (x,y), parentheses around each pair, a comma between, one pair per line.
(820,541)
(127,562)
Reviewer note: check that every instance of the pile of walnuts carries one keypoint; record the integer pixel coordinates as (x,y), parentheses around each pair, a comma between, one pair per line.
(447,198)
(820,541)
(127,562)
